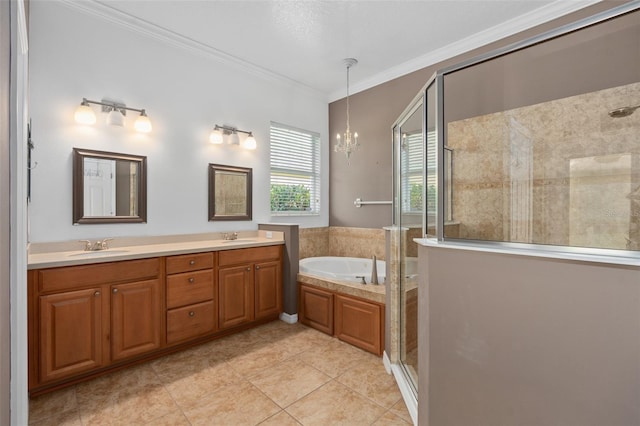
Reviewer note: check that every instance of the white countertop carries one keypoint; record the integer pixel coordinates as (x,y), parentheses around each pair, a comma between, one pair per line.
(50,255)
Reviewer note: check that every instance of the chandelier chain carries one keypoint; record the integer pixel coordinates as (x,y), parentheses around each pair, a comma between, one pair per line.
(348,69)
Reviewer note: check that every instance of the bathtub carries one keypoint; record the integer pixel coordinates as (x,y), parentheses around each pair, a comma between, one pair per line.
(342,268)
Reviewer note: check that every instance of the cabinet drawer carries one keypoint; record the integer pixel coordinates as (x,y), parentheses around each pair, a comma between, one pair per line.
(190,321)
(189,287)
(249,255)
(189,262)
(70,277)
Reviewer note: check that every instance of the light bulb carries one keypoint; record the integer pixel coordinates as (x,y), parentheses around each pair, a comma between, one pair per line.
(142,123)
(115,118)
(250,142)
(215,137)
(84,114)
(234,139)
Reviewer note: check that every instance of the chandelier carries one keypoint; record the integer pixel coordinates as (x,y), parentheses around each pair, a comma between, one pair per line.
(348,143)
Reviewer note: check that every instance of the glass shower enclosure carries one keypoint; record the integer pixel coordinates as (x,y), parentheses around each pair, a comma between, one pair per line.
(415,202)
(408,223)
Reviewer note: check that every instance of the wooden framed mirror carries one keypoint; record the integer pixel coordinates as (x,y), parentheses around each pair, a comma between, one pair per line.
(109,187)
(229,192)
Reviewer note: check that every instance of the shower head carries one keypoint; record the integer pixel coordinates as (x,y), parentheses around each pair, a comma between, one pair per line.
(623,111)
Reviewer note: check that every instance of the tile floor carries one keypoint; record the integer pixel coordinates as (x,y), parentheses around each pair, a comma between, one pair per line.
(276,374)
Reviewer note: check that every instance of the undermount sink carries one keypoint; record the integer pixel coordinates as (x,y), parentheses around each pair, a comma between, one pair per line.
(240,240)
(98,253)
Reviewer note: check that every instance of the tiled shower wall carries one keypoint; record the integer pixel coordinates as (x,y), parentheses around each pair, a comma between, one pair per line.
(342,241)
(546,140)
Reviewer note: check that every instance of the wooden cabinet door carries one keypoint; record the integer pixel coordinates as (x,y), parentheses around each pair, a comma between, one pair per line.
(136,318)
(268,289)
(72,330)
(360,323)
(316,309)
(235,296)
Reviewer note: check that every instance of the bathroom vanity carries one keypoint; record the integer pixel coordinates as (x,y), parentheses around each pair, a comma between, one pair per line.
(92,313)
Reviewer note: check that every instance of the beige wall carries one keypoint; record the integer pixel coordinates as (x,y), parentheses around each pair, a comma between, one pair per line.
(373,111)
(524,340)
(595,58)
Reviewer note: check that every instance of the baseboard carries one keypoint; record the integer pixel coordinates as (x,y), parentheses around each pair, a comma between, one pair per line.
(386,362)
(407,394)
(289,318)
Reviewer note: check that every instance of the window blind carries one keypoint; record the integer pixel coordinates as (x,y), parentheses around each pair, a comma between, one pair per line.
(412,159)
(295,171)
(432,175)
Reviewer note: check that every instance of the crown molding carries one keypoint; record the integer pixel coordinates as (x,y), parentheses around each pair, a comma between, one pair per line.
(505,29)
(166,36)
(536,17)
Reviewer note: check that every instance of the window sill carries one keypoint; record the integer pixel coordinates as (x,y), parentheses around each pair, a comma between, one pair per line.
(295,214)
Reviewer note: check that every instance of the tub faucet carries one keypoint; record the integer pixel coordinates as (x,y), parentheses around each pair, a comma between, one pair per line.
(374,270)
(362,278)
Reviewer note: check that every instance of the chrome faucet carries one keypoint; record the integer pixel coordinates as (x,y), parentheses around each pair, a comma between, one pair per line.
(230,236)
(374,271)
(98,245)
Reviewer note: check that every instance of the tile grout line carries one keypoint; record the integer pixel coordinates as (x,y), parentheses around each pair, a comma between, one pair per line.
(315,390)
(164,386)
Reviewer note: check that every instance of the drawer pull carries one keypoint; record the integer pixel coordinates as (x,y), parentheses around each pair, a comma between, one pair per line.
(192,314)
(191,280)
(192,262)
(115,290)
(97,293)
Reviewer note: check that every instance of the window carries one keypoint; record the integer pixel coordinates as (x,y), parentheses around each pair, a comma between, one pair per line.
(412,158)
(295,171)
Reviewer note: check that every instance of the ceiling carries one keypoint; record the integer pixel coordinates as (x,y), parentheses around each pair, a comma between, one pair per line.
(306,41)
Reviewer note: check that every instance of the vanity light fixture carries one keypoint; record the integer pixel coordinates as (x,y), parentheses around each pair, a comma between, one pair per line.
(219,132)
(117,111)
(349,143)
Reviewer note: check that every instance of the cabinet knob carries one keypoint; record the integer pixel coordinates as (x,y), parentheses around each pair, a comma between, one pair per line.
(248,269)
(192,262)
(97,293)
(191,280)
(257,267)
(115,290)
(192,314)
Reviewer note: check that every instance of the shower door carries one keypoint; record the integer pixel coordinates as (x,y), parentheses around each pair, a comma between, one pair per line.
(409,191)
